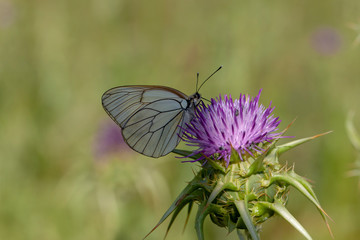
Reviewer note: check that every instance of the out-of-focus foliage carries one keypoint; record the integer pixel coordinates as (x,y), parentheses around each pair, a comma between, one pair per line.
(58,57)
(354,138)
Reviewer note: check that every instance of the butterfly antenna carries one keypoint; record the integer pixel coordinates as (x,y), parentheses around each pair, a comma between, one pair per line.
(210,77)
(197,81)
(206,99)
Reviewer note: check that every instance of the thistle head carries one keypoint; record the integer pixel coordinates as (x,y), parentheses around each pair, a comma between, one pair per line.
(225,125)
(241,182)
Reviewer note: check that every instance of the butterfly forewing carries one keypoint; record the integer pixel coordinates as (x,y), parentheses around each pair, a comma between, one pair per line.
(149,116)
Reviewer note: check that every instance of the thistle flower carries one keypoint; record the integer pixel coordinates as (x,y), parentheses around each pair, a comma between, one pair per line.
(226,124)
(326,41)
(109,141)
(241,182)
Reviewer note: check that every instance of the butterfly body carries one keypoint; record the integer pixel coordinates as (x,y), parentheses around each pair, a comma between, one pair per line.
(151,117)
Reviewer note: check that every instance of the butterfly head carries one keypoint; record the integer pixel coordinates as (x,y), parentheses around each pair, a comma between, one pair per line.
(197,96)
(194,100)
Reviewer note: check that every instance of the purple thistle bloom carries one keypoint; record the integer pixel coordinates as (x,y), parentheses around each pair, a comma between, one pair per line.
(109,140)
(326,41)
(241,124)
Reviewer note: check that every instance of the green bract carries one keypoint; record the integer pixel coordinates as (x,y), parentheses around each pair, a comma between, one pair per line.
(245,194)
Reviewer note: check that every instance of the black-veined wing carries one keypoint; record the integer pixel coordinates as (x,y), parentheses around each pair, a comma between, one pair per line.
(149,116)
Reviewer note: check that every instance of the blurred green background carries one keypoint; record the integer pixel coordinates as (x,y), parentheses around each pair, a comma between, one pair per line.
(62,175)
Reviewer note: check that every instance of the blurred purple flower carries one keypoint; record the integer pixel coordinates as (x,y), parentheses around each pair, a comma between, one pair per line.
(225,124)
(326,41)
(7,14)
(109,140)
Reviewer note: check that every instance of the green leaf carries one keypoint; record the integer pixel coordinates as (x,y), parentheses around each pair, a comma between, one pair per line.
(199,221)
(235,157)
(304,183)
(216,165)
(225,183)
(302,186)
(272,158)
(308,187)
(213,163)
(195,195)
(282,211)
(241,206)
(188,214)
(217,189)
(269,157)
(287,146)
(186,153)
(190,188)
(256,166)
(202,212)
(294,181)
(231,225)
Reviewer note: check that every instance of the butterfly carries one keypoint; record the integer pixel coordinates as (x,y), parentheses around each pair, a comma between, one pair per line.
(152,118)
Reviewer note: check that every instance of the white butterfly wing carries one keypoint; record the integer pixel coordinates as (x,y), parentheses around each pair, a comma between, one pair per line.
(149,116)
